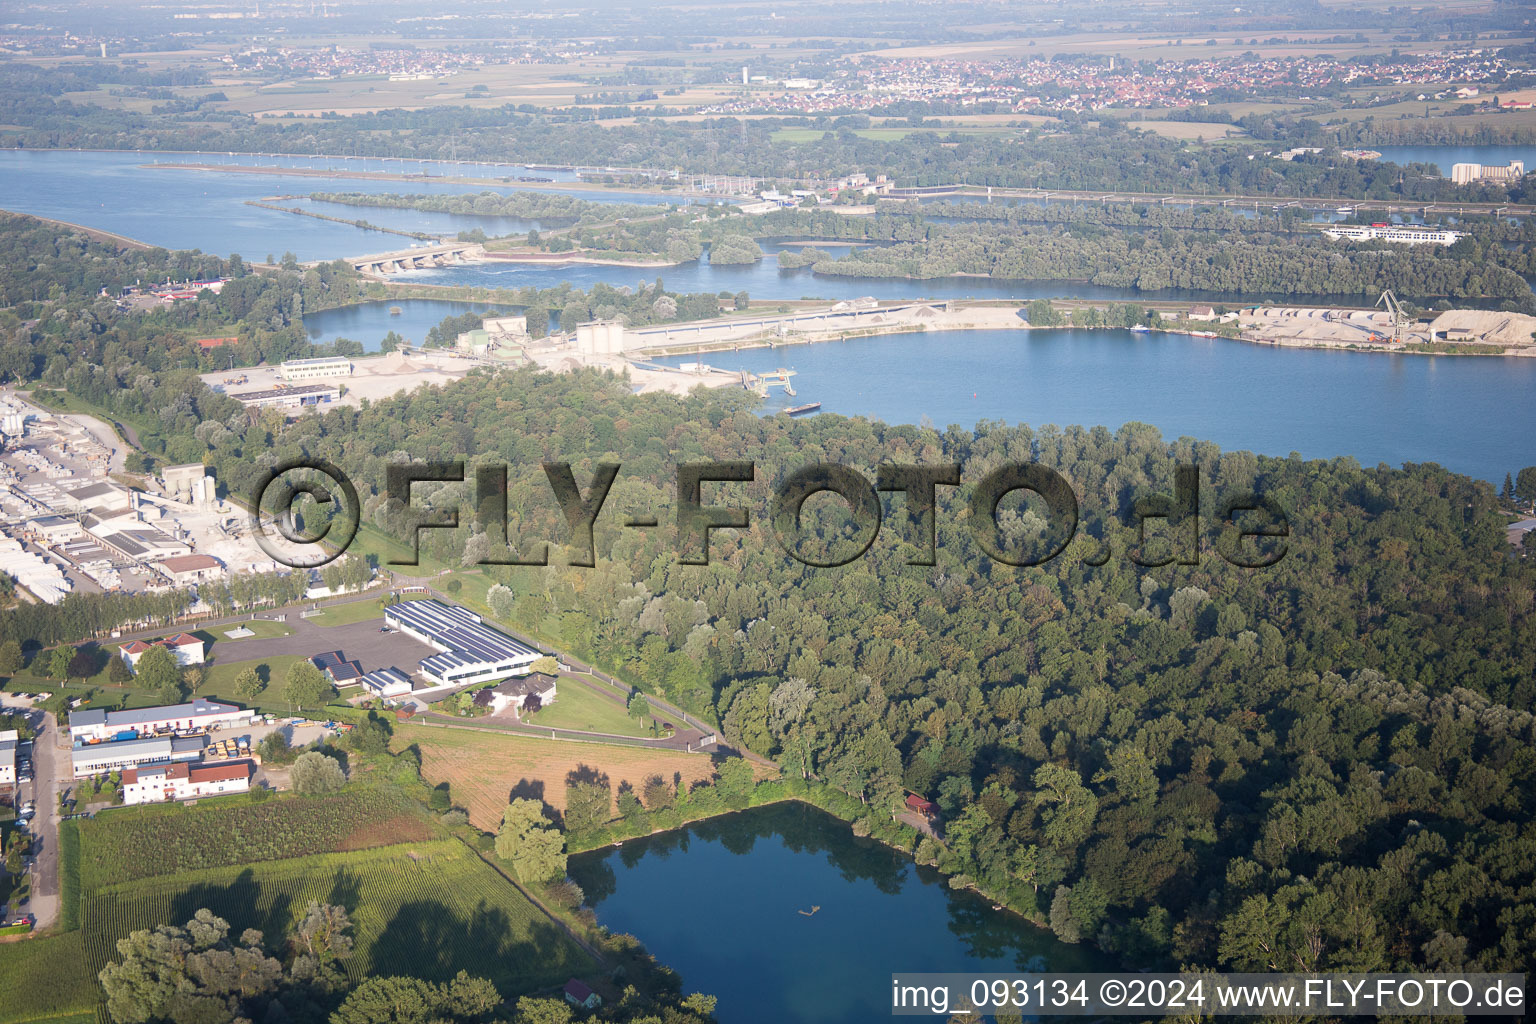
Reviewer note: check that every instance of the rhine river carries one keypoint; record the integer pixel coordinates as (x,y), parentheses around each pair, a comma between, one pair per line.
(1473,415)
(748,875)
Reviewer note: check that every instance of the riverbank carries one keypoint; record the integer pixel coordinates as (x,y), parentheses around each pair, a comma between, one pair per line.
(318,172)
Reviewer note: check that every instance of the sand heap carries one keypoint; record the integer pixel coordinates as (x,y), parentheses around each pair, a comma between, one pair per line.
(397,362)
(1511,330)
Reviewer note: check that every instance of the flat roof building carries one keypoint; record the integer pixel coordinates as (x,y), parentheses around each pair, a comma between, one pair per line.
(183,570)
(199,714)
(311,369)
(90,759)
(472,652)
(289,398)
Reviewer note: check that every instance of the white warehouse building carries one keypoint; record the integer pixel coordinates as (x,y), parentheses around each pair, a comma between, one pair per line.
(95,726)
(472,652)
(312,369)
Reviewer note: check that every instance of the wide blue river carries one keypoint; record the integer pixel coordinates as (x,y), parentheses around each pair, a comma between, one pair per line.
(747,876)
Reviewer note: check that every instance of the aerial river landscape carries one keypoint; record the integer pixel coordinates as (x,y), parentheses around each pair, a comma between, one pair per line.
(1472,415)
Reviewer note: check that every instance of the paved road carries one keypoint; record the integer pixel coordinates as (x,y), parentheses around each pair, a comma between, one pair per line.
(50,772)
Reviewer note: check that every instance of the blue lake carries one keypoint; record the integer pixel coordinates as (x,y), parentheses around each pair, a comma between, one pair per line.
(718,902)
(1471,414)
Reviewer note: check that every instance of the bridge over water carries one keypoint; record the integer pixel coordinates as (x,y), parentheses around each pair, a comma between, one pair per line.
(422,257)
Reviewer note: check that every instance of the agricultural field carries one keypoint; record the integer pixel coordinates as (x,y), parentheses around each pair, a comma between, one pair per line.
(123,845)
(428,910)
(41,979)
(484,770)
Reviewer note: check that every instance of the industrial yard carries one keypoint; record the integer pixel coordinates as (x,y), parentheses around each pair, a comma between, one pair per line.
(1308,327)
(69,523)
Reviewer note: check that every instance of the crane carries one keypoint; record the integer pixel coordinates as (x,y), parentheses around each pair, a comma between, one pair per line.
(1399,316)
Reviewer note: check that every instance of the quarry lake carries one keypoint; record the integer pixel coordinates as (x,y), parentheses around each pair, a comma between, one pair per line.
(720,902)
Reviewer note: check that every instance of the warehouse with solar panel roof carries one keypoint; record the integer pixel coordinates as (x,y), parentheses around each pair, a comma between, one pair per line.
(469,650)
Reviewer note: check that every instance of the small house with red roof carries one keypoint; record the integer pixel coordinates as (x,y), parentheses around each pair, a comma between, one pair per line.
(927,808)
(579,993)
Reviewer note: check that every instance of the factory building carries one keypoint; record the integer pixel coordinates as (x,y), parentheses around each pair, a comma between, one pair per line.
(1465,174)
(90,759)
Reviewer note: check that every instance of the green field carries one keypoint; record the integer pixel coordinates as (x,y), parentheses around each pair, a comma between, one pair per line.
(428,910)
(220,683)
(355,611)
(576,706)
(420,904)
(265,629)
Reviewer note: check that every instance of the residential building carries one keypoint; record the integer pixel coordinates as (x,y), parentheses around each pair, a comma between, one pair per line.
(187,649)
(514,693)
(312,369)
(472,652)
(197,716)
(90,759)
(157,783)
(579,993)
(9,740)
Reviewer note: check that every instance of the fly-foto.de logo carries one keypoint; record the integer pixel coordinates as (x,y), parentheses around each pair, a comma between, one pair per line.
(1251,530)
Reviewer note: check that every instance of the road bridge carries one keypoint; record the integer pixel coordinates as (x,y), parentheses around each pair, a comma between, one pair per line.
(420,258)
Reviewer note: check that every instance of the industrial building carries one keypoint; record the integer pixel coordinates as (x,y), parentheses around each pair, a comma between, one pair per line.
(51,530)
(472,652)
(1465,174)
(185,570)
(281,397)
(158,783)
(90,759)
(199,715)
(314,369)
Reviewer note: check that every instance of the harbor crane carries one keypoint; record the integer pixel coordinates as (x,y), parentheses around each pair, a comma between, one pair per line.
(1399,315)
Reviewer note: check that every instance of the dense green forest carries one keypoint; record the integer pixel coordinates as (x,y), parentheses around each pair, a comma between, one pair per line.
(1327,763)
